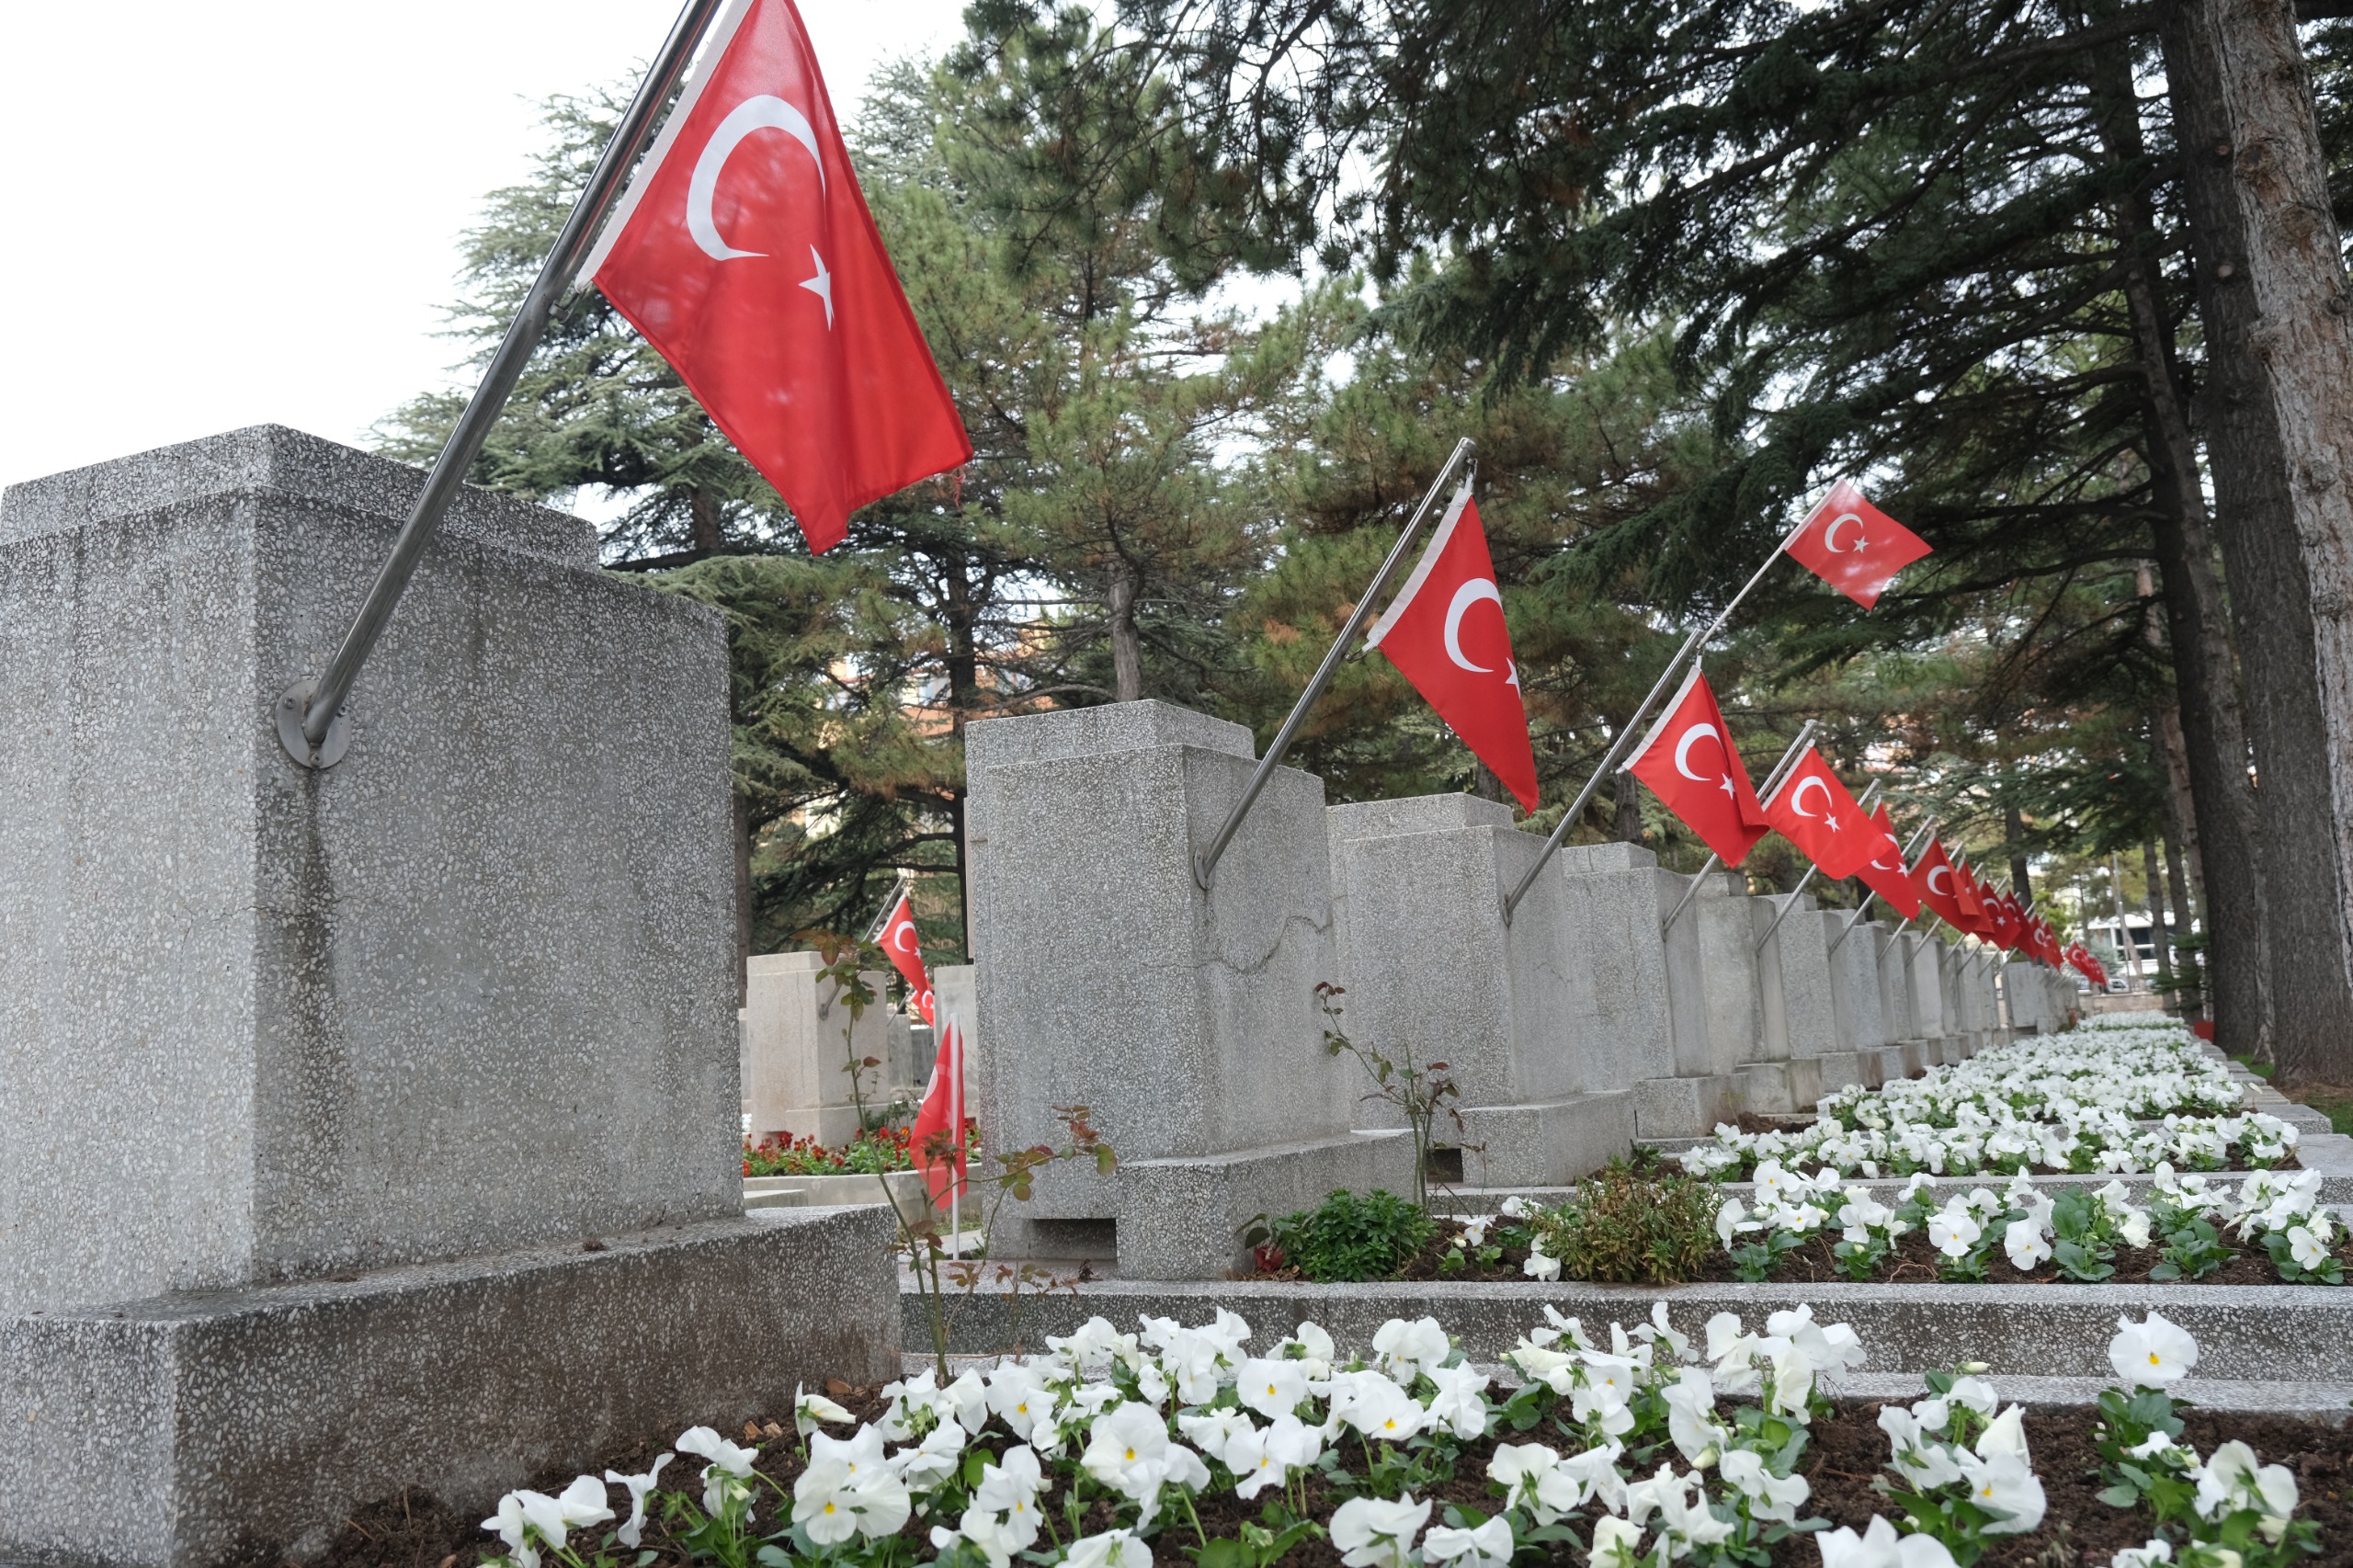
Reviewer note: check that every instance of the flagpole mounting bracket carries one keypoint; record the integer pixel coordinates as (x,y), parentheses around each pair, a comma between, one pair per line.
(293,706)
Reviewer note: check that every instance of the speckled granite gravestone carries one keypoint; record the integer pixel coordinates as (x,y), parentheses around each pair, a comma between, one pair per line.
(1186,1020)
(1434,975)
(1619,895)
(318,1085)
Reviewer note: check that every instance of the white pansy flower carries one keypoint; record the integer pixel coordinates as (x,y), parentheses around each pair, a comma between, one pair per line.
(1377,1532)
(1008,1491)
(2150,1556)
(1113,1549)
(2306,1249)
(1769,1496)
(1457,1405)
(1488,1546)
(2004,1484)
(1615,1543)
(1880,1547)
(2154,1354)
(511,1525)
(1212,1430)
(1538,1264)
(1271,1387)
(2232,1480)
(1404,1348)
(637,1487)
(810,1410)
(1019,1397)
(2027,1246)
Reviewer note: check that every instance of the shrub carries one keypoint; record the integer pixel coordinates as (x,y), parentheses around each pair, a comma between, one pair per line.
(1350,1238)
(1624,1226)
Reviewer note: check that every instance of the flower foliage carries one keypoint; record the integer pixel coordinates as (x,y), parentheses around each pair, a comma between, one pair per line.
(1654,1446)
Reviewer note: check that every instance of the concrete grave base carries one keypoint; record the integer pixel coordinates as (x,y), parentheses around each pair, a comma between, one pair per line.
(205,1428)
(1782,1088)
(1843,1069)
(1684,1108)
(2283,1334)
(1510,1143)
(1183,1218)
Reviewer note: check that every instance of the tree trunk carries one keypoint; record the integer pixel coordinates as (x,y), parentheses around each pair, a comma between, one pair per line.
(1626,824)
(702,521)
(1126,653)
(2194,968)
(1483,782)
(2204,736)
(2272,297)
(2160,928)
(2180,802)
(2014,841)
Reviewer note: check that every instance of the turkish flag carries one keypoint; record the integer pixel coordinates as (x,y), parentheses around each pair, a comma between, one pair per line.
(2082,960)
(1932,877)
(1883,873)
(1690,763)
(942,1115)
(1442,636)
(906,951)
(1853,546)
(1813,810)
(2009,922)
(743,252)
(1975,917)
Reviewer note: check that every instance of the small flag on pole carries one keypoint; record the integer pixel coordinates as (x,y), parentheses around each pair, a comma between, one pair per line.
(743,252)
(906,951)
(1853,546)
(941,1114)
(1813,810)
(1442,637)
(1690,763)
(1937,885)
(1885,873)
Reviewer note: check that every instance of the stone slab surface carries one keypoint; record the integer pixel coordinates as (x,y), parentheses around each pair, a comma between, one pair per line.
(346,1001)
(2263,1333)
(239,1406)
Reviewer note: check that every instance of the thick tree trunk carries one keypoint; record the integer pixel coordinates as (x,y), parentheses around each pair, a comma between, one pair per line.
(1126,651)
(2278,329)
(702,521)
(2207,732)
(2160,927)
(2194,968)
(1483,782)
(2013,842)
(1626,822)
(2181,800)
(963,697)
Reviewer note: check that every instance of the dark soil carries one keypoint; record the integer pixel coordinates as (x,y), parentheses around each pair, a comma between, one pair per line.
(1846,1453)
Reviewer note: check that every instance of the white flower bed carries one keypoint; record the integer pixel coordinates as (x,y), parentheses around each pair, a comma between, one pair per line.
(2075,1229)
(1104,1452)
(2070,1102)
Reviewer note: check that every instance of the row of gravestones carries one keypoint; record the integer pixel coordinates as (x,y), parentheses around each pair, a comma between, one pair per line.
(377,1129)
(1190,1020)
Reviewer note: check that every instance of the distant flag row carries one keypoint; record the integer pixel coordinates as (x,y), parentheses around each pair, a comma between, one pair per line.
(1441,635)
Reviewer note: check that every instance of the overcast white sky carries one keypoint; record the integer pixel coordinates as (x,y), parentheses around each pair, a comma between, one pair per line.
(247,210)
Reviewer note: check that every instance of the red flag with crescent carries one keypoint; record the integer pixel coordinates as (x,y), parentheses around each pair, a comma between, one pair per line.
(1445,632)
(1976,912)
(1813,810)
(1853,546)
(1885,873)
(1690,763)
(904,949)
(1933,879)
(744,252)
(939,1120)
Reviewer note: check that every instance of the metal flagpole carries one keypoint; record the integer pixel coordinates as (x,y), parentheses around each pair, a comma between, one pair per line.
(882,919)
(1864,908)
(1799,891)
(1634,725)
(1205,863)
(311,724)
(1772,781)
